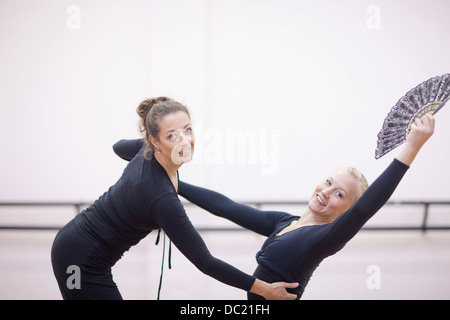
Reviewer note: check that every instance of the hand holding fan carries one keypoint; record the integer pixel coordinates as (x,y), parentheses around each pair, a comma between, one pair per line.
(427,98)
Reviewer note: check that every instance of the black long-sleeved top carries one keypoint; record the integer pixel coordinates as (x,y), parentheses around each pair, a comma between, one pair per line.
(293,256)
(142,200)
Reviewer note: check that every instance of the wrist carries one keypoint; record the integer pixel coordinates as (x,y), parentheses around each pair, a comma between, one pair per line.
(259,287)
(407,154)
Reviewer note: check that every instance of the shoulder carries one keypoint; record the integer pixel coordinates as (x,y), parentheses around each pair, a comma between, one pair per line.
(285,218)
(147,179)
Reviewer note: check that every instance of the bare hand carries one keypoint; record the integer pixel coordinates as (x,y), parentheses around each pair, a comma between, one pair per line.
(278,291)
(421,130)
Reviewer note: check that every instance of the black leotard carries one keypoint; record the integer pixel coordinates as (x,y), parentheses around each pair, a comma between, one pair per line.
(142,200)
(293,256)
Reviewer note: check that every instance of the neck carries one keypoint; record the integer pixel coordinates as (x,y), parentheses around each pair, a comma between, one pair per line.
(310,218)
(168,165)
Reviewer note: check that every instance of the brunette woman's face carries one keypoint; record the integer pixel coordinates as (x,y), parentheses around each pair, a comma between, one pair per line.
(176,138)
(333,196)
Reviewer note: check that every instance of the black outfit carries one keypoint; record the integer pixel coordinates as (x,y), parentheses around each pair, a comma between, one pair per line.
(294,255)
(142,200)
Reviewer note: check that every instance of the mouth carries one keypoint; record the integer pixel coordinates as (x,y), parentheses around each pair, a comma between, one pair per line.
(184,152)
(319,199)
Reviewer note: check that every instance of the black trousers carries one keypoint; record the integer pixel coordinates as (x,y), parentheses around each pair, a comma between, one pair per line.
(82,266)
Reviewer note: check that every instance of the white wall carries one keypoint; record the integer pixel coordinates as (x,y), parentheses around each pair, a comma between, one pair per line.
(312,80)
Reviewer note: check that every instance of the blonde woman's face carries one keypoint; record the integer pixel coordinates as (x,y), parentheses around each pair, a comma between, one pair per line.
(333,196)
(176,138)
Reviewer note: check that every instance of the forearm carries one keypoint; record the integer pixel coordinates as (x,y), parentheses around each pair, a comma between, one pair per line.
(259,287)
(262,222)
(172,218)
(211,201)
(381,189)
(407,154)
(222,271)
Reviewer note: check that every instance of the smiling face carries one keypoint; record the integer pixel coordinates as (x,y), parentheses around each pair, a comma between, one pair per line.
(333,196)
(175,144)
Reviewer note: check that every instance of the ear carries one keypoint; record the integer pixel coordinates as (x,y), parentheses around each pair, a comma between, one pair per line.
(154,142)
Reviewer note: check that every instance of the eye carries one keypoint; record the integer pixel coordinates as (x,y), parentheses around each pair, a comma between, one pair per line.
(188,131)
(328,182)
(339,194)
(173,137)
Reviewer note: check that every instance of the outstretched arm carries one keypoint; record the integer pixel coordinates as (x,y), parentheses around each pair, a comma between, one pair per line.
(350,222)
(172,218)
(262,222)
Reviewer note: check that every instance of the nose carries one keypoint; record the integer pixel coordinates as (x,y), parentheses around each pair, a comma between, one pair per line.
(184,139)
(181,137)
(327,192)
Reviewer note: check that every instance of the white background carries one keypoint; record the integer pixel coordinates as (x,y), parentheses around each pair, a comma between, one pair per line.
(313,80)
(318,73)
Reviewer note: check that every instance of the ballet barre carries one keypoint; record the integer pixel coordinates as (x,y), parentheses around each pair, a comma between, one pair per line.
(78,207)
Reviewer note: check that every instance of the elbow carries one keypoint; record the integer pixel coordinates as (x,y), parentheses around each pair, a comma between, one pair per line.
(116,147)
(119,151)
(206,263)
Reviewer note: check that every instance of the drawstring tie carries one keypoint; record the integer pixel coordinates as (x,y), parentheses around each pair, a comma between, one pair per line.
(162,262)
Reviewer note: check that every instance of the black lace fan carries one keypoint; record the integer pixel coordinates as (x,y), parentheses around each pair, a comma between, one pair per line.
(427,98)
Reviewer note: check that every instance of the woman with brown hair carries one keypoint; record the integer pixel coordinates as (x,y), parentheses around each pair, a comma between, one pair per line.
(143,199)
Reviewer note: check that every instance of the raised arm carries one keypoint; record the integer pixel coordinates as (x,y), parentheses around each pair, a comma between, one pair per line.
(262,222)
(350,222)
(172,218)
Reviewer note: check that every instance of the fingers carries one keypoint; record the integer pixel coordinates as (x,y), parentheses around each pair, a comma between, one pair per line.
(289,285)
(431,120)
(426,122)
(291,296)
(421,130)
(280,292)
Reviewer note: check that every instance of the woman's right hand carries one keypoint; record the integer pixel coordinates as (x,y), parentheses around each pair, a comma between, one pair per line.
(274,291)
(278,291)
(421,130)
